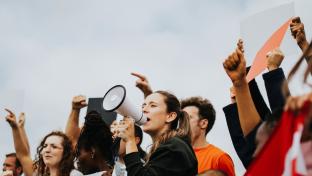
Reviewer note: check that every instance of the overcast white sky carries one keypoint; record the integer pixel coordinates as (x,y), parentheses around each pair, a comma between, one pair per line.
(53,50)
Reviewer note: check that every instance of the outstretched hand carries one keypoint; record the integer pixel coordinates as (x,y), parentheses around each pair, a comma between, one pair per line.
(11,119)
(143,84)
(79,102)
(235,67)
(21,120)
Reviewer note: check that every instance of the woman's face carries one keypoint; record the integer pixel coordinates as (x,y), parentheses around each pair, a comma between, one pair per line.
(86,162)
(52,152)
(155,109)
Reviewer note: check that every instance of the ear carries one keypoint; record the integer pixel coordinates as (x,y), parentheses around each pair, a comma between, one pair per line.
(137,140)
(203,123)
(92,153)
(19,170)
(92,150)
(171,116)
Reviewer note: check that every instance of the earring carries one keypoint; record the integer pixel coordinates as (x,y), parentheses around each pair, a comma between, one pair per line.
(92,155)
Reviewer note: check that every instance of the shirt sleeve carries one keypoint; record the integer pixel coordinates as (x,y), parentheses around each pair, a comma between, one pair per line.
(226,165)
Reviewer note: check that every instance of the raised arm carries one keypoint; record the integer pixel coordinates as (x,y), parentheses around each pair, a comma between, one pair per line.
(21,123)
(275,79)
(22,151)
(297,31)
(234,66)
(72,127)
(143,84)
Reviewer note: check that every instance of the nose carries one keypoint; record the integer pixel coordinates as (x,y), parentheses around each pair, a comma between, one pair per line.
(145,109)
(47,149)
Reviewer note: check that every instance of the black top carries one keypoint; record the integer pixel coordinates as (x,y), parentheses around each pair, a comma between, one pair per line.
(273,82)
(174,157)
(245,146)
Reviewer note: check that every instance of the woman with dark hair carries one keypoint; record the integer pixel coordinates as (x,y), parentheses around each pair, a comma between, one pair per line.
(94,146)
(171,152)
(54,155)
(93,142)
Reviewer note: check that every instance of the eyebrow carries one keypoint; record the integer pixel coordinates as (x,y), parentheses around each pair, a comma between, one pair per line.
(53,144)
(152,102)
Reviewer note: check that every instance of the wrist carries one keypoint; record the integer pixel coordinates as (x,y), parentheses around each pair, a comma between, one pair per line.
(75,109)
(303,45)
(131,146)
(239,82)
(147,92)
(272,67)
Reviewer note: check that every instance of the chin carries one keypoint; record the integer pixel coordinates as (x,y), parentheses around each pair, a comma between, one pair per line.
(50,164)
(145,129)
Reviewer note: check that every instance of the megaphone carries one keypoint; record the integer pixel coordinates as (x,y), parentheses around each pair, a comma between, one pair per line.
(115,100)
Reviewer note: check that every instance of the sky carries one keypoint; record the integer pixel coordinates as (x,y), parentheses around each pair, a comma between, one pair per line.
(53,50)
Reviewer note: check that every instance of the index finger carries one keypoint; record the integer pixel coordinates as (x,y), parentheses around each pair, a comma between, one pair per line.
(142,77)
(9,111)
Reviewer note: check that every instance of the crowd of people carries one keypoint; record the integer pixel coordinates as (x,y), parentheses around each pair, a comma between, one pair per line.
(178,128)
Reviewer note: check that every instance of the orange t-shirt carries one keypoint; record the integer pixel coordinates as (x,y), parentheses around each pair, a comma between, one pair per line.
(213,158)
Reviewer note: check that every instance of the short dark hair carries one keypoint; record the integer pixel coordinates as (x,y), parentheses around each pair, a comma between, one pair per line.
(17,162)
(205,109)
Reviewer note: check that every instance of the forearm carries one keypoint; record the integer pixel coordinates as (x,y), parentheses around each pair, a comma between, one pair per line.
(24,138)
(72,127)
(248,114)
(22,152)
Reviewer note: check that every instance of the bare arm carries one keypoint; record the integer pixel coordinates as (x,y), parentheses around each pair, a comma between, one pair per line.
(21,124)
(234,66)
(22,151)
(72,127)
(297,31)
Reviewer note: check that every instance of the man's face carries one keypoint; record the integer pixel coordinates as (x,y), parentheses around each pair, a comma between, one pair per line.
(193,113)
(9,165)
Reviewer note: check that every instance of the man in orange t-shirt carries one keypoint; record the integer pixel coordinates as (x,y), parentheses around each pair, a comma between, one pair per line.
(202,117)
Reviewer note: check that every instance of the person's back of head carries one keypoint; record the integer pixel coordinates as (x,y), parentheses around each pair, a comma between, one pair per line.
(205,109)
(13,164)
(95,139)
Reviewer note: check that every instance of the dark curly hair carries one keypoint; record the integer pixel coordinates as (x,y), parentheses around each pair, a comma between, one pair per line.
(205,109)
(67,161)
(96,134)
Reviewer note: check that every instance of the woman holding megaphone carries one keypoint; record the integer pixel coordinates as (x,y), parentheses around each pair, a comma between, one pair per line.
(171,152)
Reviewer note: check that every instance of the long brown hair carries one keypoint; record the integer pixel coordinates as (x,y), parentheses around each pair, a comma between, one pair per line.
(180,126)
(67,162)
